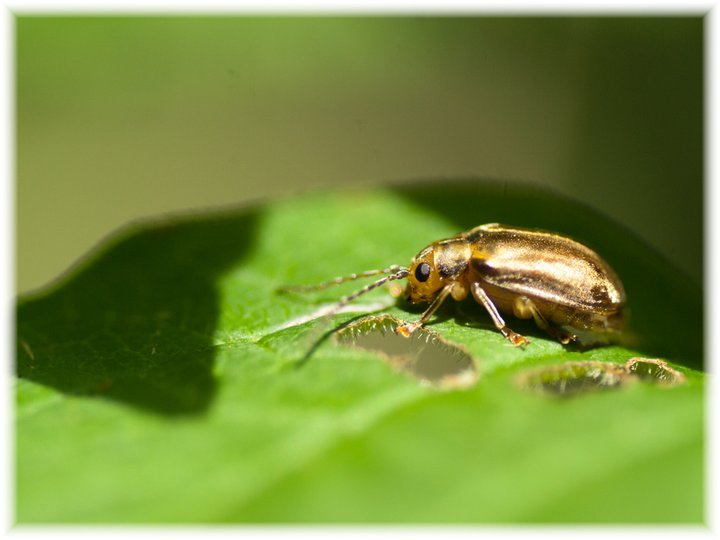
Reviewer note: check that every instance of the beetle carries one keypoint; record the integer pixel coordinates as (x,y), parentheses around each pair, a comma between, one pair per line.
(569,291)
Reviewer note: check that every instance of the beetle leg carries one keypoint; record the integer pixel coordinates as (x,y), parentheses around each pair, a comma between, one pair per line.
(481,297)
(524,308)
(407,328)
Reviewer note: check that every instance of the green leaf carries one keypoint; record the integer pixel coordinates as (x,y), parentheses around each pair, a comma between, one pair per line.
(160,381)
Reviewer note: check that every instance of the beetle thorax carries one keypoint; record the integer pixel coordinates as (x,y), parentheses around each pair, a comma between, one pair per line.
(436,266)
(452,257)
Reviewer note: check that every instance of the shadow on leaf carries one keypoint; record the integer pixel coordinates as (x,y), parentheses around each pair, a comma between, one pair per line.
(135,323)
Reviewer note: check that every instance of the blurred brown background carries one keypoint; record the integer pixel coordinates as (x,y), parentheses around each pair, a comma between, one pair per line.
(120,118)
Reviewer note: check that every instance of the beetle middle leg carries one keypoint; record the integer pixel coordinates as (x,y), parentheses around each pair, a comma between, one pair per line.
(481,297)
(525,308)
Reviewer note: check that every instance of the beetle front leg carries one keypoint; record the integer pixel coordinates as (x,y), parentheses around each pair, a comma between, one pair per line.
(407,328)
(481,297)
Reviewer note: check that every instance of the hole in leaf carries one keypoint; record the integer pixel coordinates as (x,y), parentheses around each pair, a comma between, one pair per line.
(424,355)
(654,369)
(573,378)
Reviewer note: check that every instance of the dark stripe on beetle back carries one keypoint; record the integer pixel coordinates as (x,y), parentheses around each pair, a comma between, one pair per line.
(500,276)
(484,269)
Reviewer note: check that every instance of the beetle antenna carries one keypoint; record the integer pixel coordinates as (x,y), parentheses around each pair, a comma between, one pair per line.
(399,274)
(338,280)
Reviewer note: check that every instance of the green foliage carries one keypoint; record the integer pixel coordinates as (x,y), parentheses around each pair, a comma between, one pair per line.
(159,381)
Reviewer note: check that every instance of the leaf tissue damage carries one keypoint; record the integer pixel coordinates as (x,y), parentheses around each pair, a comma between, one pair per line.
(165,361)
(572,378)
(424,355)
(433,360)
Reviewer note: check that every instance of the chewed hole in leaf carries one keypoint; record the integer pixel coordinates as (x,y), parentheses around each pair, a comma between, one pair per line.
(425,354)
(573,378)
(654,369)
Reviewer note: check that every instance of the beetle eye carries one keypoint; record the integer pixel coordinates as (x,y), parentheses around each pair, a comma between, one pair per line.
(422,272)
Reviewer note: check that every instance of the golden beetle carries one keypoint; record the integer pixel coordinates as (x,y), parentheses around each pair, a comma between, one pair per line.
(568,290)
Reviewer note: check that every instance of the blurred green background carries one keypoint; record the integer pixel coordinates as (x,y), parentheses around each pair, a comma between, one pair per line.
(120,118)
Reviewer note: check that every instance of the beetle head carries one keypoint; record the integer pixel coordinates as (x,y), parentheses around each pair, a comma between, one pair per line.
(434,267)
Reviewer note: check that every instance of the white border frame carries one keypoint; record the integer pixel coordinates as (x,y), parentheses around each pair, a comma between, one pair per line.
(367,7)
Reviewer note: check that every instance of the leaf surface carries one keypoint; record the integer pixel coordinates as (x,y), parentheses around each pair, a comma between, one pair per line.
(159,380)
